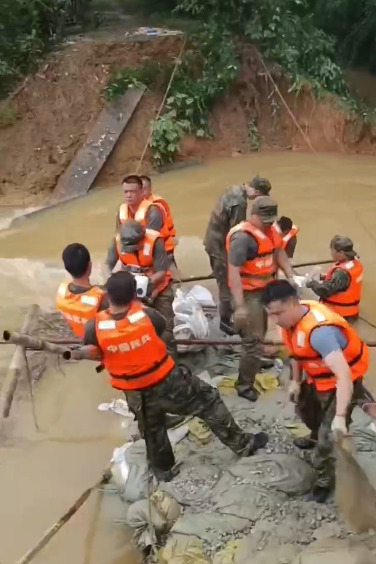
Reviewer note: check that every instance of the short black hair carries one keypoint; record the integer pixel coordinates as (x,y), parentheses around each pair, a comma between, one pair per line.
(133,179)
(76,259)
(121,288)
(278,290)
(145,178)
(285,223)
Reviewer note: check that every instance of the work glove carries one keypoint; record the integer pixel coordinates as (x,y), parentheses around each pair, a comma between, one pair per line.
(339,427)
(294,391)
(316,273)
(240,318)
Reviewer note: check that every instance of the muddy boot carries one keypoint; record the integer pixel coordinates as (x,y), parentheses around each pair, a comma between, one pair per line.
(250,393)
(304,443)
(173,421)
(319,494)
(252,443)
(166,475)
(267,363)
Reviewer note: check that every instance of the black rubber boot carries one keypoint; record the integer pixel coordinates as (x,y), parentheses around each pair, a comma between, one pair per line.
(257,441)
(250,394)
(304,443)
(173,421)
(267,363)
(166,475)
(319,494)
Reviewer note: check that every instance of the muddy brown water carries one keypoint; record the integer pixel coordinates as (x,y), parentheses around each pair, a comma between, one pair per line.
(42,474)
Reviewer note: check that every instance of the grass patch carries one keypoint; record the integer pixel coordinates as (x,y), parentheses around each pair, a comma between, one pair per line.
(8,114)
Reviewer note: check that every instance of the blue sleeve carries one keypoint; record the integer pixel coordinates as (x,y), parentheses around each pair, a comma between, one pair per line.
(325,340)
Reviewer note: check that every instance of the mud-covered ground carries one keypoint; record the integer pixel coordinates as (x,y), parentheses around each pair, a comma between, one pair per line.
(55,109)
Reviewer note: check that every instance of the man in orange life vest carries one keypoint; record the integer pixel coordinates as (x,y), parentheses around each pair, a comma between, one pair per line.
(288,232)
(141,251)
(79,301)
(254,254)
(341,287)
(148,195)
(334,360)
(151,214)
(129,338)
(230,209)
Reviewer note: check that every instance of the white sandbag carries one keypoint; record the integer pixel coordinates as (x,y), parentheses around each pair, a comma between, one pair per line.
(201,295)
(190,320)
(130,470)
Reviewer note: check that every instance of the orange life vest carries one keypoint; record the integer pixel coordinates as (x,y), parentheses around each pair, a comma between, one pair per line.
(169,220)
(140,215)
(78,308)
(297,340)
(347,303)
(288,236)
(256,273)
(133,354)
(142,261)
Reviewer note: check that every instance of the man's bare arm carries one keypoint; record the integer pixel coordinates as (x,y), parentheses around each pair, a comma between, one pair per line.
(338,365)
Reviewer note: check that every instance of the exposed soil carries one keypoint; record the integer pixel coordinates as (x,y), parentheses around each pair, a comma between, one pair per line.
(57,107)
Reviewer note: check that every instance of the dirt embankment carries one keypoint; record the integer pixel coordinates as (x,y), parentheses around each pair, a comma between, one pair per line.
(57,107)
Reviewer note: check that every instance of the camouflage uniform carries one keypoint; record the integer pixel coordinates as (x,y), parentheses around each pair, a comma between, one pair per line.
(340,280)
(252,336)
(163,304)
(231,209)
(317,411)
(182,393)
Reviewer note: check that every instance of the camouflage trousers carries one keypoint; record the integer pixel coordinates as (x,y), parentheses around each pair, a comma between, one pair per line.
(163,304)
(181,393)
(252,336)
(218,264)
(317,411)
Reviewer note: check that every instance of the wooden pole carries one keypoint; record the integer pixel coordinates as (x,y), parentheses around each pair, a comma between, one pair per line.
(17,364)
(51,532)
(211,276)
(35,343)
(312,263)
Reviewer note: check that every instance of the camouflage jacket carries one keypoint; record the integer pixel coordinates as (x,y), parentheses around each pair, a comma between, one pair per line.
(230,209)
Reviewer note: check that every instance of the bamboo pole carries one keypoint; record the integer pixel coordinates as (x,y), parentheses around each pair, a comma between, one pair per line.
(211,276)
(17,364)
(51,532)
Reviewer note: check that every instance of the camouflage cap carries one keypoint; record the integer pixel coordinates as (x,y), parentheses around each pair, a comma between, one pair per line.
(131,232)
(265,208)
(344,245)
(261,184)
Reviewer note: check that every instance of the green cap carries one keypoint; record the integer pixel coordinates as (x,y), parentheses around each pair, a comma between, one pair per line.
(131,232)
(261,184)
(344,245)
(266,209)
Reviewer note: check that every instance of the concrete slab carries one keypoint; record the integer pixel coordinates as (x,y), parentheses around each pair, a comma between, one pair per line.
(78,178)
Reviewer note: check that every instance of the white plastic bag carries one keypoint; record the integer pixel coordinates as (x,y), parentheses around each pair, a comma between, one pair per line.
(190,320)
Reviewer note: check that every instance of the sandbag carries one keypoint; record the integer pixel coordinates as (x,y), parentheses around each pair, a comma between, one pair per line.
(190,320)
(163,511)
(183,551)
(130,472)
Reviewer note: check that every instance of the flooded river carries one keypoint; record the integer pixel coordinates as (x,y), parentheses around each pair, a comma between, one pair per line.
(42,474)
